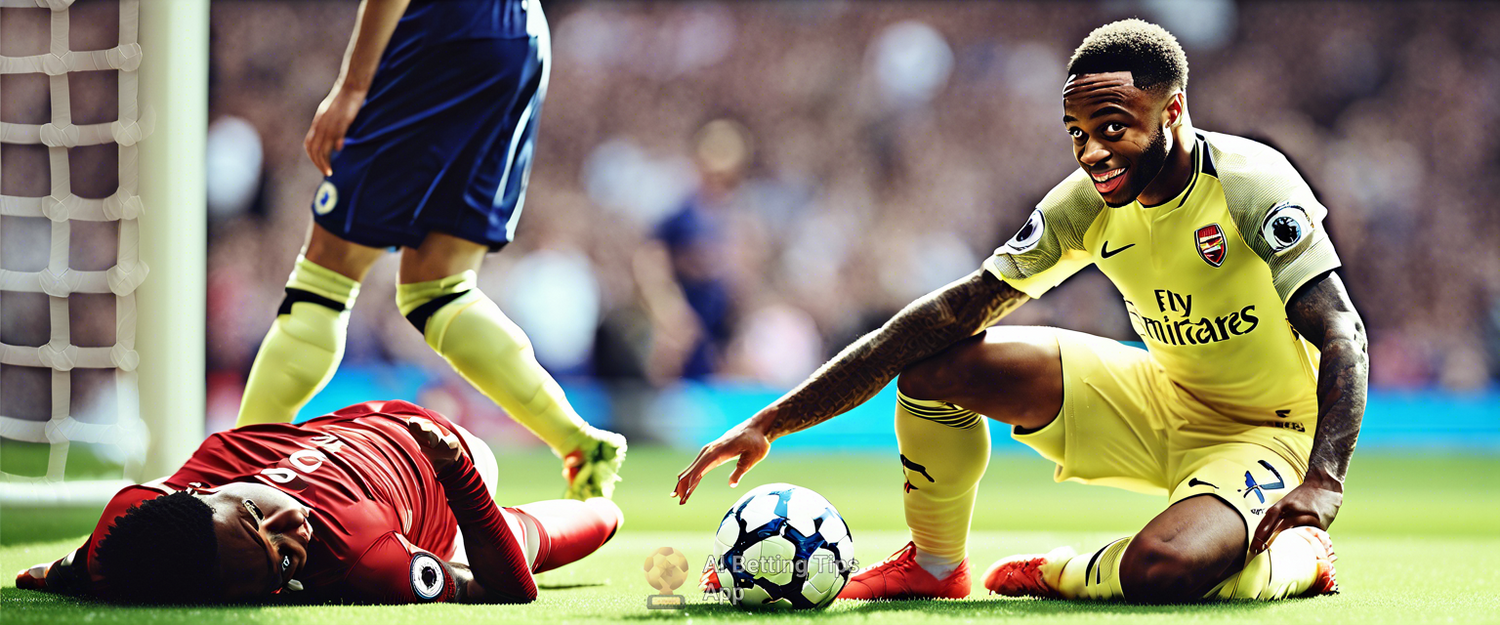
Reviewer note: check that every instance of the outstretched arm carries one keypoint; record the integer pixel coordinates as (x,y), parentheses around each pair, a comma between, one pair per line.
(62,576)
(1321,312)
(925,327)
(373,27)
(76,573)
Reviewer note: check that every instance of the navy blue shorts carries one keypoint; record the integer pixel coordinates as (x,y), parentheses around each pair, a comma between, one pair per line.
(443,142)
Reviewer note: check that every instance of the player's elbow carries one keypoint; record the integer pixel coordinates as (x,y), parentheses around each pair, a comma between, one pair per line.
(1346,339)
(1359,335)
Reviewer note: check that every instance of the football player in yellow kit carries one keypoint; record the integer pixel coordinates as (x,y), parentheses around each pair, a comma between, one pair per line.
(1243,410)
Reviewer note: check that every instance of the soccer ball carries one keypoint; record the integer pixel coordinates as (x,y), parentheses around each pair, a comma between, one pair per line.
(782,546)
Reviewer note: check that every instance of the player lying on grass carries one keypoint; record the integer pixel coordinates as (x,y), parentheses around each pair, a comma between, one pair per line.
(1243,410)
(425,142)
(381,502)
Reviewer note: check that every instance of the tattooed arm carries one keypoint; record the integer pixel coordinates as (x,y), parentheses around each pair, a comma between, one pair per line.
(925,327)
(1321,312)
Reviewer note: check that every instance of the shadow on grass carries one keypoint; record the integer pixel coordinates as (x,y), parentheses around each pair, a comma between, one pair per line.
(960,608)
(18,599)
(572,586)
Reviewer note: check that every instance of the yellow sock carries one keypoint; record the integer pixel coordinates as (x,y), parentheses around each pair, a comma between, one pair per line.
(303,347)
(1287,568)
(1093,575)
(944,451)
(492,353)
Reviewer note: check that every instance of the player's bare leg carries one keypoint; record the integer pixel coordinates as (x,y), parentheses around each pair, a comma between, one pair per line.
(1010,374)
(1183,552)
(440,255)
(438,294)
(350,260)
(306,342)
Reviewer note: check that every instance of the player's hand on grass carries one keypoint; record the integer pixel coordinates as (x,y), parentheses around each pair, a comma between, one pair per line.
(1315,503)
(332,120)
(439,445)
(746,442)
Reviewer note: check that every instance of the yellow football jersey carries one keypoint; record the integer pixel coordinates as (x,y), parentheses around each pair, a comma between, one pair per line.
(1205,275)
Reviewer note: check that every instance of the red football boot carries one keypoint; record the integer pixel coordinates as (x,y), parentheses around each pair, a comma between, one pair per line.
(708,582)
(900,577)
(1033,575)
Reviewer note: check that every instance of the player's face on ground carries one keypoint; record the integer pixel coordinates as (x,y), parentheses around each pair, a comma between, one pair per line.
(263,535)
(1118,133)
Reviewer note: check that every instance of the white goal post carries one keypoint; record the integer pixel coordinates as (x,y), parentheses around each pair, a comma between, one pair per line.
(158,276)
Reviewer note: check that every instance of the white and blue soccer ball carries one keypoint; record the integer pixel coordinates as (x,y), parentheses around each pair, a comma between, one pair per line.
(783,546)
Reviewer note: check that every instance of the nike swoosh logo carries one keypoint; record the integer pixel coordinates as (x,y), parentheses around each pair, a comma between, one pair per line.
(1195,481)
(1106,252)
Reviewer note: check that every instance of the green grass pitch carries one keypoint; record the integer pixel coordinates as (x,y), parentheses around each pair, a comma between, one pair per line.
(1418,539)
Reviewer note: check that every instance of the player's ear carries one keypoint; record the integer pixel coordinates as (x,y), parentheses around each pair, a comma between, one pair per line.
(1175,111)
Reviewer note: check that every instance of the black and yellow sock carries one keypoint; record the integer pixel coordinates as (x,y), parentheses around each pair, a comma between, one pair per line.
(1093,575)
(492,353)
(303,347)
(944,452)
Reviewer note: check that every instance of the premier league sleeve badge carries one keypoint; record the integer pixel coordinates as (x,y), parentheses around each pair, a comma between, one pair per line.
(1285,226)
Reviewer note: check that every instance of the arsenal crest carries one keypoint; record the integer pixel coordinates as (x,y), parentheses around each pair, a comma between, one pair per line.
(1211,244)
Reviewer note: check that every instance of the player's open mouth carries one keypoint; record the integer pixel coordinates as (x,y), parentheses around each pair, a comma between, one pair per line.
(1107,181)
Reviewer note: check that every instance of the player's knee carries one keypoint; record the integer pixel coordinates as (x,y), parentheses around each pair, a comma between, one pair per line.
(1156,571)
(945,376)
(1003,374)
(440,255)
(348,259)
(610,515)
(926,380)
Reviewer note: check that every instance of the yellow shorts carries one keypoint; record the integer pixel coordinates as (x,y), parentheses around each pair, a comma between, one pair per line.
(1125,424)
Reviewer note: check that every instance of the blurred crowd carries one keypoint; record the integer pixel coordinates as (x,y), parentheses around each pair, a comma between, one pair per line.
(735,191)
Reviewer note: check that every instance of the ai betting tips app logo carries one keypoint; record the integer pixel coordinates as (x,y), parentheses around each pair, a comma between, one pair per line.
(666,570)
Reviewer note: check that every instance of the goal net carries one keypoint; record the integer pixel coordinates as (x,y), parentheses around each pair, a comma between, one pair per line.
(101,246)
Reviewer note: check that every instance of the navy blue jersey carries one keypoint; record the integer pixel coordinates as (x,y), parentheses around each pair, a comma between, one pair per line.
(445,137)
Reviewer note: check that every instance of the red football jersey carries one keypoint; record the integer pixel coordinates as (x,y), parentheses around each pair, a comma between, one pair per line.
(379,516)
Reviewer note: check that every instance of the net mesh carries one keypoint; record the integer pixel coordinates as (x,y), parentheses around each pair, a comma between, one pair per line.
(62,208)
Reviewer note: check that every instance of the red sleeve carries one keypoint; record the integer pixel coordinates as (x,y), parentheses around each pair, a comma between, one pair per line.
(395,571)
(495,553)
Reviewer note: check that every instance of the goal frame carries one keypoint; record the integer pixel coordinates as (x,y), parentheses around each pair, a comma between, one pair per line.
(159,274)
